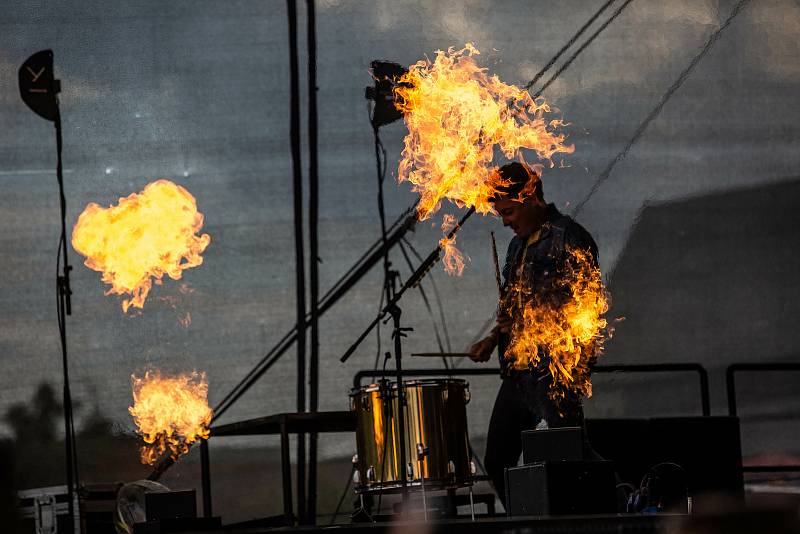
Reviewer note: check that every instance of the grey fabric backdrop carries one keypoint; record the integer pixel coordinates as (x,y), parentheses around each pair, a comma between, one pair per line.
(197,92)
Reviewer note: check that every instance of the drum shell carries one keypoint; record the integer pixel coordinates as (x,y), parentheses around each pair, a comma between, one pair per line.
(435,415)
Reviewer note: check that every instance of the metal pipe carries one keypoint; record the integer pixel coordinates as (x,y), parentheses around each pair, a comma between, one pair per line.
(313,268)
(297,174)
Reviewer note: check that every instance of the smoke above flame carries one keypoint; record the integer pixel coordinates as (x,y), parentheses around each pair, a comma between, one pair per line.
(170,413)
(147,235)
(564,329)
(457,116)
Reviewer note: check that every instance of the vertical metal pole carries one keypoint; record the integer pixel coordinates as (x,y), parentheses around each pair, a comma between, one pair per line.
(205,476)
(401,404)
(299,251)
(64,309)
(313,268)
(286,475)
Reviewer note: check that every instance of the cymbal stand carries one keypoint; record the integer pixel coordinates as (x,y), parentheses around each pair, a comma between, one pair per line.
(422,453)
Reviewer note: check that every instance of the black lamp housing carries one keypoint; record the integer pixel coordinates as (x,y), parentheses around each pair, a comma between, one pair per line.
(386,75)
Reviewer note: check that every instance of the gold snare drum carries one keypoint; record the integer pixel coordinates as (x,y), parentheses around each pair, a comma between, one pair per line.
(435,419)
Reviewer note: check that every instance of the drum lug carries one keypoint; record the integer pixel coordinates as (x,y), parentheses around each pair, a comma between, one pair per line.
(451,467)
(370,474)
(473,470)
(445,394)
(352,404)
(354,459)
(467,396)
(410,471)
(356,477)
(366,405)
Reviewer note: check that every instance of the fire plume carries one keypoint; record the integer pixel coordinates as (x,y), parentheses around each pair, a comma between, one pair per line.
(453,260)
(457,114)
(145,236)
(170,412)
(564,329)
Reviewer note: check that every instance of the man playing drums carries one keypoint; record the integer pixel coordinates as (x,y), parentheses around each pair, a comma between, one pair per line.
(535,260)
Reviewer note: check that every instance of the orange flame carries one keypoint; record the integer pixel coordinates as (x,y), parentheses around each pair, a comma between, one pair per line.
(170,412)
(456,114)
(145,236)
(565,329)
(453,260)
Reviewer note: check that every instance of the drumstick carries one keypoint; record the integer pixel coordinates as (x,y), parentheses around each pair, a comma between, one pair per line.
(496,267)
(442,354)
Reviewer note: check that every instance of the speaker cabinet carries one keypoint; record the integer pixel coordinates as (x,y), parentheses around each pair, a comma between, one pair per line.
(708,448)
(552,444)
(561,488)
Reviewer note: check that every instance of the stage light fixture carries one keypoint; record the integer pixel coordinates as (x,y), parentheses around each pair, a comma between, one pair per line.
(386,75)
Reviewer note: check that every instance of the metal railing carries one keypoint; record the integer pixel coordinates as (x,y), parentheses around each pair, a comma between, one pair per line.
(730,382)
(633,368)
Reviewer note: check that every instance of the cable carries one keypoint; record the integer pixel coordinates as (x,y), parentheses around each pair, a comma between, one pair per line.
(566,65)
(569,44)
(344,494)
(381,165)
(657,110)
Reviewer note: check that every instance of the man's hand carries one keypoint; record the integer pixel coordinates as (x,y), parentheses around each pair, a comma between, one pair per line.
(482,350)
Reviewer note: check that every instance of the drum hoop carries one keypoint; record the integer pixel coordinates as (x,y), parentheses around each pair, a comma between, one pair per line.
(395,486)
(369,388)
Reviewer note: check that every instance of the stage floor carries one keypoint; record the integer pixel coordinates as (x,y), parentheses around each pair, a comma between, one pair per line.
(564,524)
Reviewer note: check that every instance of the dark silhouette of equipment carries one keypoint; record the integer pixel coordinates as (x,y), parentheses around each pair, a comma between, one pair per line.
(386,75)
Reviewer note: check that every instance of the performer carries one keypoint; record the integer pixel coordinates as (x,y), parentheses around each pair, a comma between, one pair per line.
(535,259)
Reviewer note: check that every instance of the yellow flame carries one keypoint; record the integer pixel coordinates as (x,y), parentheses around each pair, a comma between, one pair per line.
(170,412)
(456,114)
(565,329)
(453,260)
(145,236)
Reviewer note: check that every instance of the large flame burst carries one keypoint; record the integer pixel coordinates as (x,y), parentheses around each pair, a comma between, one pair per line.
(170,412)
(563,329)
(456,114)
(145,236)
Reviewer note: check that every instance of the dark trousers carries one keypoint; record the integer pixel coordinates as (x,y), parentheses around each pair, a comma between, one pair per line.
(521,404)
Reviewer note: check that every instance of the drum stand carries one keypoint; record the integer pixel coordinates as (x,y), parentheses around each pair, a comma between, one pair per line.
(391,308)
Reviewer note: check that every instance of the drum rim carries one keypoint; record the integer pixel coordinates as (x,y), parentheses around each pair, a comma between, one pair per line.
(393,486)
(369,388)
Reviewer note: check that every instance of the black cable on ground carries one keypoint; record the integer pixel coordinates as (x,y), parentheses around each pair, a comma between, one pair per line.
(657,110)
(569,44)
(344,494)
